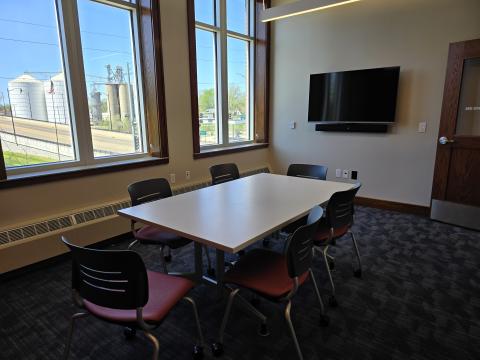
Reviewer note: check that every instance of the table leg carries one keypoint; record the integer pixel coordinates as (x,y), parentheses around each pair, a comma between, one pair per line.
(220,271)
(198,262)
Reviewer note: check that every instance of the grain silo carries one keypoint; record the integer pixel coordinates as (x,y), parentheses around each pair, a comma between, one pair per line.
(27,98)
(95,106)
(112,100)
(56,99)
(124,99)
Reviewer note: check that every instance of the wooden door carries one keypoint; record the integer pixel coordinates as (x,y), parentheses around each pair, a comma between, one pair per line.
(456,183)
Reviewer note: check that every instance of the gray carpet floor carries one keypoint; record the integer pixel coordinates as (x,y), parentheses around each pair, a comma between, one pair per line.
(419,298)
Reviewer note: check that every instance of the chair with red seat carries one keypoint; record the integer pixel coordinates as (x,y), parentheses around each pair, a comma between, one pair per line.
(150,190)
(337,223)
(275,277)
(114,286)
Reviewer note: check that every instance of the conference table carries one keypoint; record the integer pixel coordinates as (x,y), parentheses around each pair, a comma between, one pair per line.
(231,216)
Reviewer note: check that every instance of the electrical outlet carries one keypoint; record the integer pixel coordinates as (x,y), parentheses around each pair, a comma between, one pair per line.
(422,127)
(354,175)
(172,178)
(338,173)
(345,174)
(187,175)
(292,124)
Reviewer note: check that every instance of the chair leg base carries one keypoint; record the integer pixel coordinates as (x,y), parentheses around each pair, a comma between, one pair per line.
(217,349)
(129,333)
(358,273)
(263,330)
(332,301)
(197,352)
(324,320)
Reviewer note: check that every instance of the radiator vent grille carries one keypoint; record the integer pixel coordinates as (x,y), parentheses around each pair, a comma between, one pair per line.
(66,221)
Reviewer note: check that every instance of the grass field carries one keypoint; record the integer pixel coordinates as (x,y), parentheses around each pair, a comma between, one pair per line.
(21,159)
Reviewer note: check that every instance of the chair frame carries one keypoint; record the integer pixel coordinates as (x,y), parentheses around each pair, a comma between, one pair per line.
(149,190)
(140,300)
(222,173)
(329,261)
(312,224)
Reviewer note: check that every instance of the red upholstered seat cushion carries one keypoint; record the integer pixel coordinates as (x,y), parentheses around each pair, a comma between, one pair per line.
(323,233)
(165,291)
(263,271)
(153,235)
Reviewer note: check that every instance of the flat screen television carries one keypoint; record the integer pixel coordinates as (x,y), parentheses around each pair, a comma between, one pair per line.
(354,97)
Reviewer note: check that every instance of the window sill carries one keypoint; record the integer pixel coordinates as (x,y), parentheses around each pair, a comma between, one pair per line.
(78,171)
(228,150)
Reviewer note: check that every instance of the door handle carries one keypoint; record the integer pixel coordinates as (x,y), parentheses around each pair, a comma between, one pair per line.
(444,140)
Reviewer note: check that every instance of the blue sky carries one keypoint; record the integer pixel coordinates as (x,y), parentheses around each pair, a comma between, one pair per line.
(29,41)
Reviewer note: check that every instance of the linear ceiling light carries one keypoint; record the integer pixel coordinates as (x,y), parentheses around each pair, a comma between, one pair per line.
(299,8)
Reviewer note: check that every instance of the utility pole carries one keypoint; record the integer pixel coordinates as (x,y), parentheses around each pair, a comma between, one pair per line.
(11,114)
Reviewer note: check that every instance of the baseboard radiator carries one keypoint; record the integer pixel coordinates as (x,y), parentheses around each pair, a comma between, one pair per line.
(66,222)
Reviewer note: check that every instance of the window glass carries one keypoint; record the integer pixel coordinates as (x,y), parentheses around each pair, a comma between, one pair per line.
(111,78)
(205,11)
(237,16)
(35,124)
(238,90)
(207,89)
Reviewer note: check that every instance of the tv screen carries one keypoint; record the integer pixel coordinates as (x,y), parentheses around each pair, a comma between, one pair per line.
(357,96)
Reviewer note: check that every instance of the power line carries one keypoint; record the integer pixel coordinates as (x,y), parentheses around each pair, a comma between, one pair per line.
(52,44)
(54,27)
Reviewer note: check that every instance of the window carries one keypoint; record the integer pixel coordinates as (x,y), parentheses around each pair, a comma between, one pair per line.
(71,89)
(223,48)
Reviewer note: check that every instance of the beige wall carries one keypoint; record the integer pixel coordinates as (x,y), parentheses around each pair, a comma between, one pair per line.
(27,204)
(414,34)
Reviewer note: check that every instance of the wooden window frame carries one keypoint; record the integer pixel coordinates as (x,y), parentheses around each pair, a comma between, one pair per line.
(261,86)
(150,45)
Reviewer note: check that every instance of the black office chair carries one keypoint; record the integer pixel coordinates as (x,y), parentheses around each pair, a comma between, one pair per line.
(318,172)
(150,190)
(337,222)
(114,286)
(224,172)
(275,277)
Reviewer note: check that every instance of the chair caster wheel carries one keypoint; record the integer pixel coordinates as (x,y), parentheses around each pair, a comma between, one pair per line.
(211,272)
(358,273)
(168,258)
(263,330)
(129,333)
(266,242)
(331,264)
(324,320)
(333,301)
(197,352)
(217,349)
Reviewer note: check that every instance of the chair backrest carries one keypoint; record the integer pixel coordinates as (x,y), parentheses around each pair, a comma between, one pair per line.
(149,190)
(298,249)
(224,172)
(318,172)
(115,279)
(340,208)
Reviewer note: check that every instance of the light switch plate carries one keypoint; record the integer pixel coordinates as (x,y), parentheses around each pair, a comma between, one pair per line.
(338,173)
(172,178)
(292,124)
(422,126)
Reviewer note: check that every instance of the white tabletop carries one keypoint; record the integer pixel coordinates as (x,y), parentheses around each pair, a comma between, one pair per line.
(233,215)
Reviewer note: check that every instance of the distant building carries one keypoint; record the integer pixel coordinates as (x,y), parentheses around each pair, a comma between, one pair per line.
(56,99)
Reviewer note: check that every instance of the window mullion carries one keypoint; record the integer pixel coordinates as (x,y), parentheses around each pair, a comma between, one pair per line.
(73,62)
(223,71)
